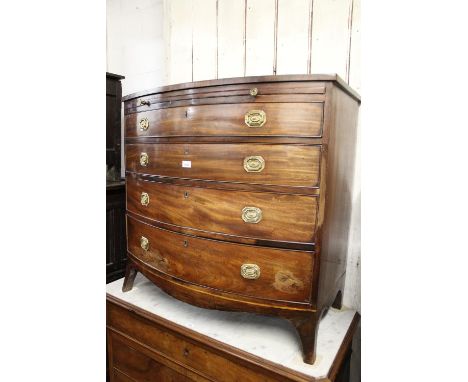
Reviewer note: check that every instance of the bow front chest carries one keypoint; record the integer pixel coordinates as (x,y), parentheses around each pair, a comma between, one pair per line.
(239,193)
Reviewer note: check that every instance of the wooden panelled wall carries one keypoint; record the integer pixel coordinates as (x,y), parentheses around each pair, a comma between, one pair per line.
(207,39)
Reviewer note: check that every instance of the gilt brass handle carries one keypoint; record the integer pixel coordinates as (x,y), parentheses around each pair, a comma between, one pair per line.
(255,118)
(144,124)
(144,199)
(254,163)
(250,271)
(144,159)
(144,243)
(145,102)
(251,214)
(253,92)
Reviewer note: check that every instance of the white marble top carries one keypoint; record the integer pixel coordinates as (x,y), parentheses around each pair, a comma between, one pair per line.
(271,338)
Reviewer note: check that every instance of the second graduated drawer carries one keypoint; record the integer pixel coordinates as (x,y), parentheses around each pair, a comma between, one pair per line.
(267,164)
(257,215)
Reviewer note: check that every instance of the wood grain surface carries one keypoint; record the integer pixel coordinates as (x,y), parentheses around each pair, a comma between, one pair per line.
(287,165)
(129,362)
(284,217)
(284,119)
(284,275)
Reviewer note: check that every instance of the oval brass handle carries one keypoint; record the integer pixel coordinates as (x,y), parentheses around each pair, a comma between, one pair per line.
(254,163)
(145,102)
(144,199)
(255,118)
(253,92)
(144,243)
(144,124)
(251,214)
(250,271)
(144,159)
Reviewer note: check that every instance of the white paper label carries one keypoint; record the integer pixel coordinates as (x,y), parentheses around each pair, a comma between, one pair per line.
(187,163)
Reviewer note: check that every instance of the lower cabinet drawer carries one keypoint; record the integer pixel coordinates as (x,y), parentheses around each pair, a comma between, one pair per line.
(132,365)
(151,352)
(258,215)
(261,272)
(279,165)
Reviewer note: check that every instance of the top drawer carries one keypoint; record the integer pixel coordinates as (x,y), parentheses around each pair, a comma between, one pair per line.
(296,91)
(243,119)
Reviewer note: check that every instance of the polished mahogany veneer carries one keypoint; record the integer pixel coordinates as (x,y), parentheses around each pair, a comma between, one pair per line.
(238,193)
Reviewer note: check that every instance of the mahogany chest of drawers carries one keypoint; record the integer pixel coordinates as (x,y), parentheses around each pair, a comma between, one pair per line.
(239,193)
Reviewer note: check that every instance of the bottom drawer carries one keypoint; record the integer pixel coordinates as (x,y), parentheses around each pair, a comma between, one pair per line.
(260,272)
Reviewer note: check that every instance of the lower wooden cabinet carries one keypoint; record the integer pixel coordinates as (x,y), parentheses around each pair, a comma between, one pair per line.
(146,347)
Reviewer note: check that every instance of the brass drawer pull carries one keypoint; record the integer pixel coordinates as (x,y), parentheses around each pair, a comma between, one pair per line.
(250,271)
(253,92)
(254,163)
(144,124)
(251,214)
(144,159)
(145,102)
(255,118)
(144,199)
(144,243)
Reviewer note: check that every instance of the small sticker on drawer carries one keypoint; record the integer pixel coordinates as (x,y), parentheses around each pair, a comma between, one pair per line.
(187,163)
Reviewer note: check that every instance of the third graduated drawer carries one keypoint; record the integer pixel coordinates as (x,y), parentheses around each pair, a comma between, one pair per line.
(255,271)
(290,165)
(257,215)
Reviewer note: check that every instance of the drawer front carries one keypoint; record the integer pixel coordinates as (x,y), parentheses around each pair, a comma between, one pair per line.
(136,365)
(288,165)
(250,214)
(260,272)
(244,119)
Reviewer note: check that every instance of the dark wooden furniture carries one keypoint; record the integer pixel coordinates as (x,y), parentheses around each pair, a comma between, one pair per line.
(143,346)
(113,124)
(116,253)
(238,193)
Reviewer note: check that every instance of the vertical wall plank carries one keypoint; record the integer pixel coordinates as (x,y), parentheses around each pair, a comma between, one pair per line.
(355,50)
(231,44)
(260,37)
(331,36)
(179,58)
(293,36)
(114,36)
(204,40)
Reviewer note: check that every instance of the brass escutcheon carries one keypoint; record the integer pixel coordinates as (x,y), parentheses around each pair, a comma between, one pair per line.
(255,118)
(144,199)
(251,214)
(144,159)
(254,163)
(144,243)
(253,92)
(144,124)
(250,271)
